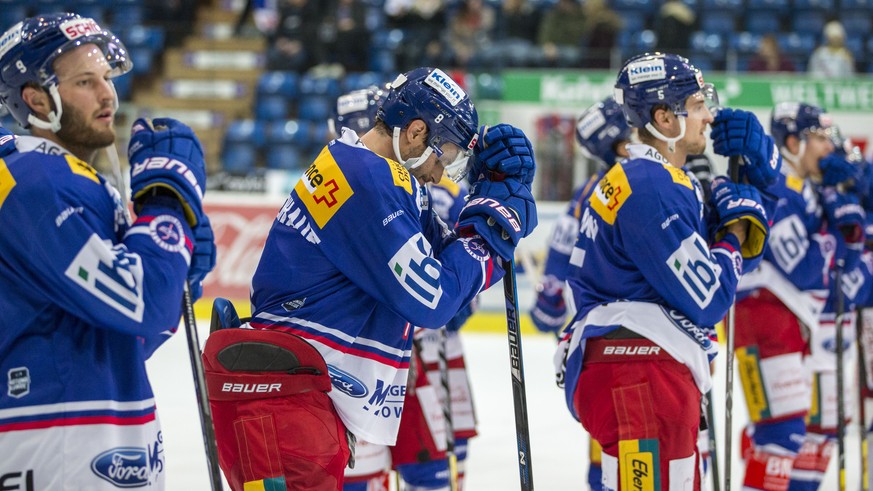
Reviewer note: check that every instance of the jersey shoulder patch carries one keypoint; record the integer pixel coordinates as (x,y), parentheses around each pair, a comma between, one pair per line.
(794,183)
(678,176)
(7,182)
(323,188)
(401,175)
(81,168)
(611,193)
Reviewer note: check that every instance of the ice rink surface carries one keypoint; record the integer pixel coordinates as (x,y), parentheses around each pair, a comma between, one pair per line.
(559,444)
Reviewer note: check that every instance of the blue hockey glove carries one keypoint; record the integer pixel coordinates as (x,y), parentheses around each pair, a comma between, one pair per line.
(203,259)
(461,317)
(844,213)
(503,149)
(733,202)
(168,157)
(550,311)
(7,142)
(835,169)
(501,212)
(738,132)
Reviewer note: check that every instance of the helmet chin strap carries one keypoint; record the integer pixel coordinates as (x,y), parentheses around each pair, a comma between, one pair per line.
(794,158)
(412,162)
(54,118)
(671,142)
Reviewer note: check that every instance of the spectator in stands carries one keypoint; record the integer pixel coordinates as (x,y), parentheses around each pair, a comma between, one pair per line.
(769,57)
(470,28)
(832,59)
(561,34)
(295,30)
(423,22)
(343,37)
(601,28)
(519,20)
(673,26)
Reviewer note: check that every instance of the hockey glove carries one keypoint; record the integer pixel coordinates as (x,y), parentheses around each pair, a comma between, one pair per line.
(738,132)
(503,150)
(550,311)
(733,202)
(461,317)
(7,142)
(203,259)
(844,214)
(835,169)
(501,212)
(167,157)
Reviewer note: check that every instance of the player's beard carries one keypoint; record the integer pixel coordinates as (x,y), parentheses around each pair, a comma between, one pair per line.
(76,132)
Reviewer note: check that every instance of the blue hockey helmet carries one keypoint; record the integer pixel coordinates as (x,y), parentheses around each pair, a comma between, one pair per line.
(356,110)
(28,51)
(432,96)
(654,79)
(797,119)
(600,128)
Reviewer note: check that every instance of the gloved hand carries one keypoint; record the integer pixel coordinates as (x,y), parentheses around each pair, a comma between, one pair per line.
(203,259)
(844,214)
(461,317)
(504,150)
(501,212)
(835,169)
(738,132)
(733,202)
(7,142)
(550,311)
(167,157)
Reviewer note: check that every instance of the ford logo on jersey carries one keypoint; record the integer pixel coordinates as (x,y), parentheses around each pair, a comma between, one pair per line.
(346,382)
(124,467)
(830,345)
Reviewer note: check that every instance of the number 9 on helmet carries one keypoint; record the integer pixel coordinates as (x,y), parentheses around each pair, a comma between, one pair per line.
(28,51)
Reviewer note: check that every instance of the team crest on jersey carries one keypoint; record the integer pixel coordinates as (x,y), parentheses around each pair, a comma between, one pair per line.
(693,266)
(124,467)
(347,383)
(475,247)
(18,382)
(417,272)
(167,232)
(610,194)
(639,464)
(323,188)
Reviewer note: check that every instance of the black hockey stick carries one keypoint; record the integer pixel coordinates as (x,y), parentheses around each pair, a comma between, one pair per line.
(516,368)
(841,403)
(713,445)
(730,328)
(200,389)
(442,359)
(862,413)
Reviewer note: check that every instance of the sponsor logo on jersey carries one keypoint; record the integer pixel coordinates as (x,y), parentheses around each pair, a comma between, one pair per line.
(610,194)
(7,182)
(18,382)
(67,213)
(167,232)
(695,269)
(691,329)
(390,217)
(643,71)
(293,304)
(110,274)
(323,188)
(588,225)
(666,223)
(79,167)
(124,467)
(170,165)
(347,383)
(476,248)
(77,28)
(416,271)
(632,350)
(639,465)
(14,481)
(446,86)
(290,214)
(11,39)
(679,176)
(402,177)
(830,345)
(592,122)
(250,388)
(389,394)
(788,242)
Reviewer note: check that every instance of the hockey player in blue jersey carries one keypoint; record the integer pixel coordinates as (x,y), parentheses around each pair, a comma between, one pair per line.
(86,295)
(419,454)
(649,270)
(784,298)
(356,258)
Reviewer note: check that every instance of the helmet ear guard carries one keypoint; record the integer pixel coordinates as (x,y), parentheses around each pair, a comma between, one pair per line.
(29,49)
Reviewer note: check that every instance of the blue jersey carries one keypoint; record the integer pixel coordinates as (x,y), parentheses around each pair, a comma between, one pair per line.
(86,298)
(642,261)
(355,257)
(567,227)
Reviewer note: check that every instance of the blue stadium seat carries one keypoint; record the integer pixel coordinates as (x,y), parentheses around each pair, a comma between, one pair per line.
(862,5)
(857,24)
(319,86)
(271,107)
(808,21)
(315,108)
(11,13)
(722,5)
(286,157)
(645,6)
(762,24)
(318,137)
(705,44)
(146,36)
(755,7)
(142,58)
(745,42)
(382,60)
(279,83)
(123,86)
(796,44)
(288,132)
(361,80)
(718,22)
(633,21)
(127,14)
(387,39)
(239,158)
(856,46)
(246,131)
(816,5)
(94,11)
